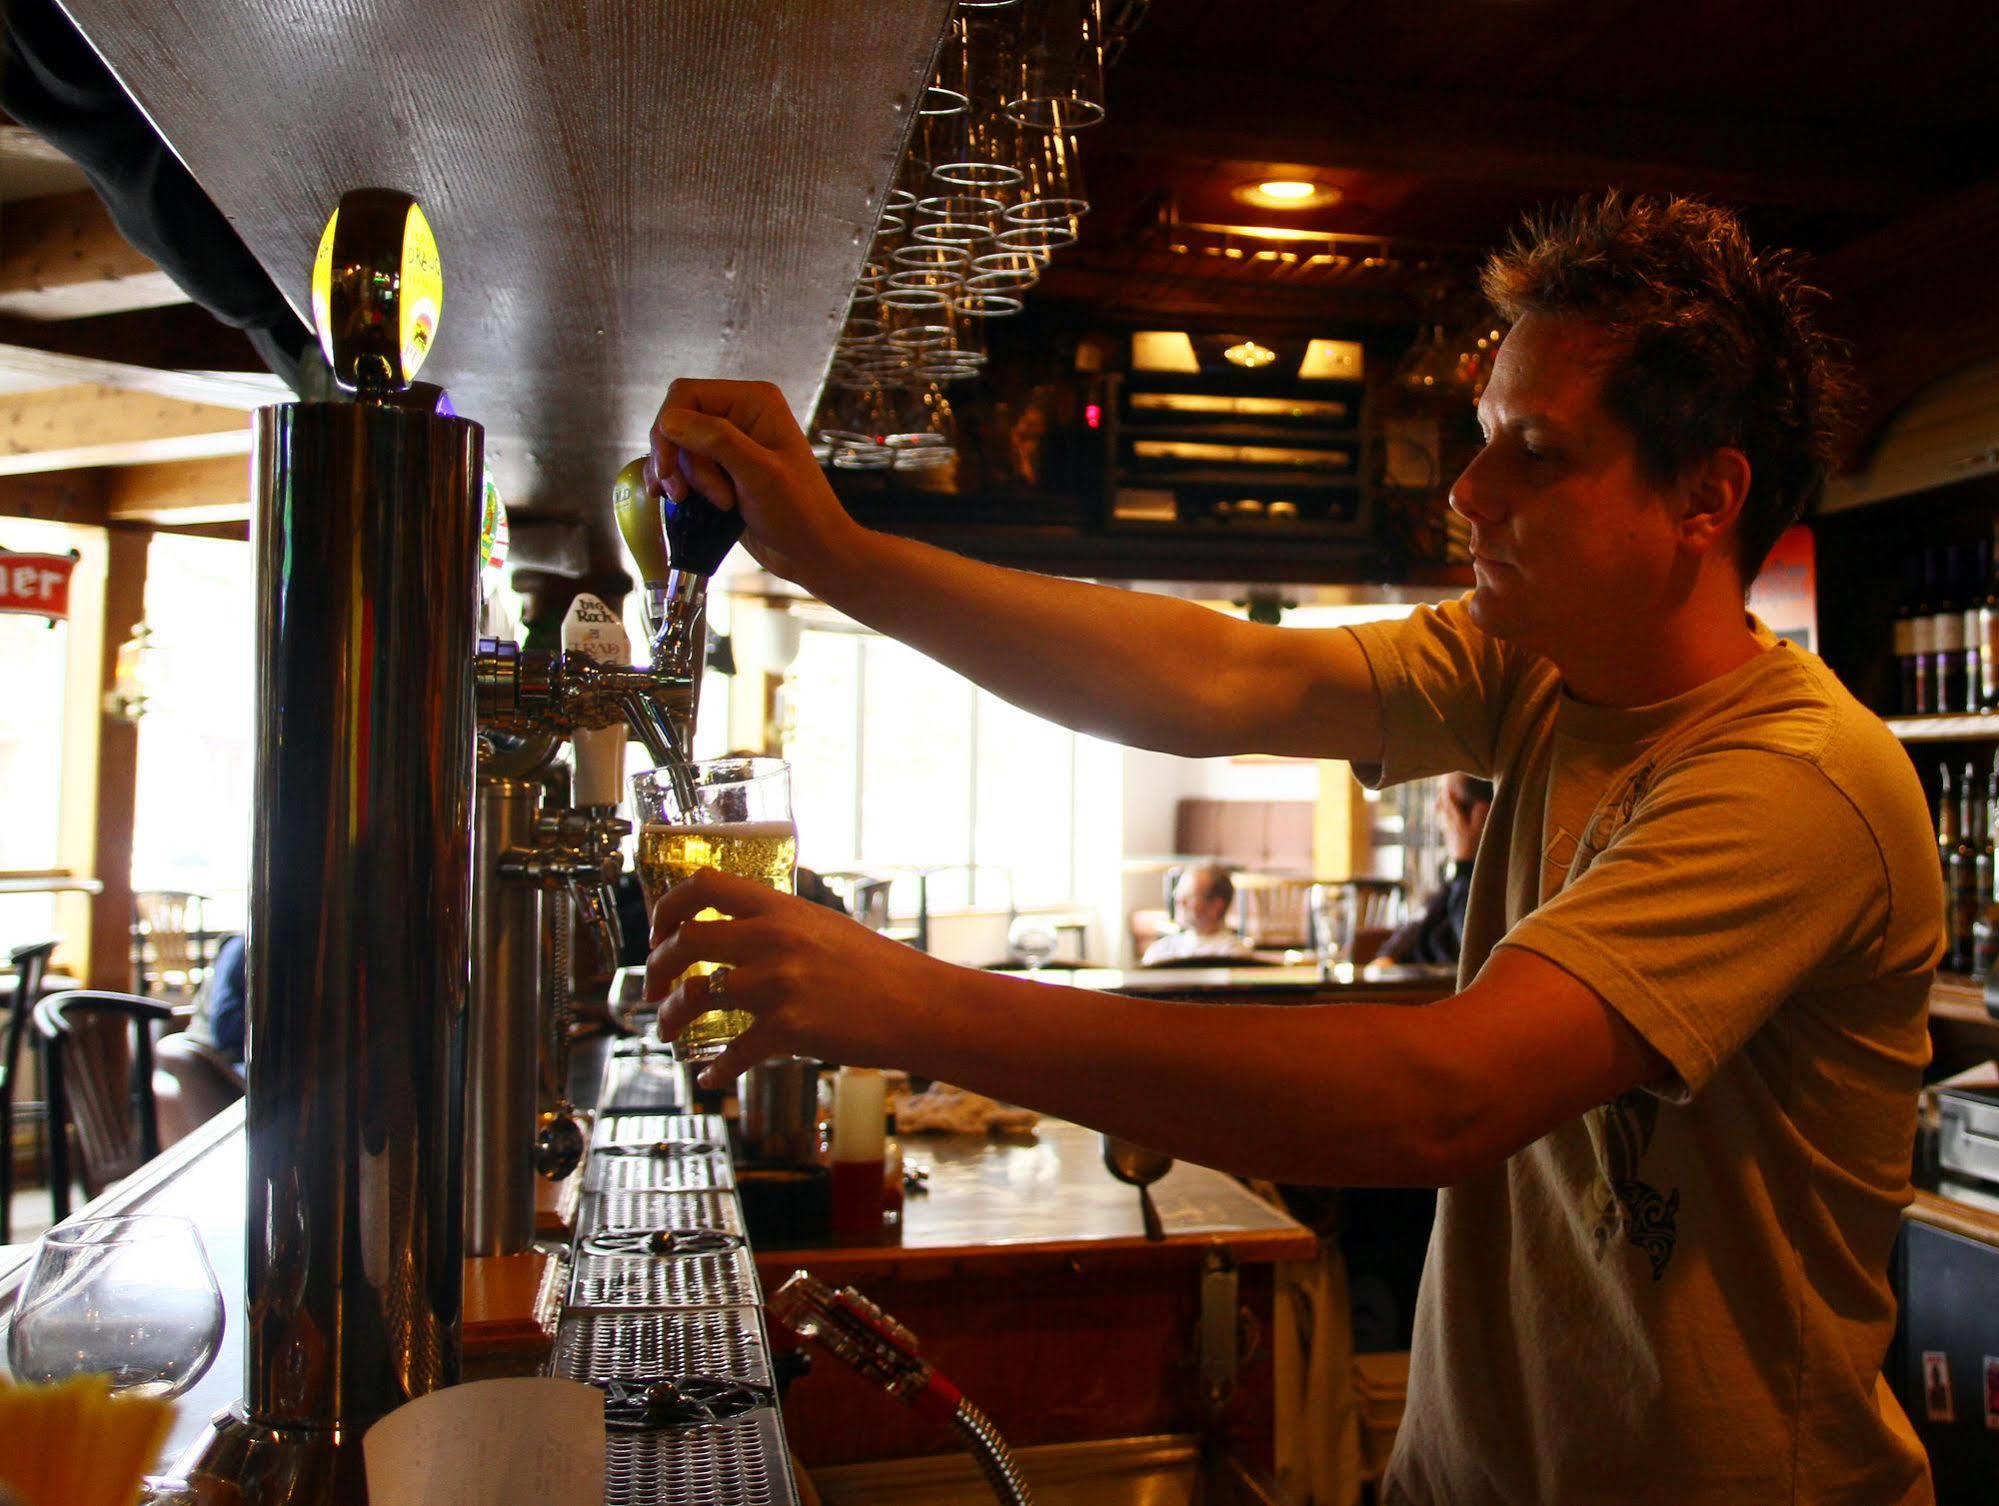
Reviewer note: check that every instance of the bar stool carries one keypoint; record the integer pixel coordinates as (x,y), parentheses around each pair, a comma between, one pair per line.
(30,966)
(117,1122)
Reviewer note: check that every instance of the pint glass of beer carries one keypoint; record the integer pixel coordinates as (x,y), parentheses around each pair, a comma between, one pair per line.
(740,822)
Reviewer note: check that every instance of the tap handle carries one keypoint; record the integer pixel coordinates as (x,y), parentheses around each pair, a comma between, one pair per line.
(698,533)
(640,520)
(597,905)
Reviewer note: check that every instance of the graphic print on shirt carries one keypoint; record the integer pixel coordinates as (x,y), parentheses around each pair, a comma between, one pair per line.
(1622,1130)
(1625,1202)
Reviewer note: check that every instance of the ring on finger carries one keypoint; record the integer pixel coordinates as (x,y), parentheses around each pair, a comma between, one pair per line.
(718,986)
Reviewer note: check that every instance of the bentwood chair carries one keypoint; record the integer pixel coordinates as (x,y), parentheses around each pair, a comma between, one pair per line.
(169,945)
(30,967)
(95,1089)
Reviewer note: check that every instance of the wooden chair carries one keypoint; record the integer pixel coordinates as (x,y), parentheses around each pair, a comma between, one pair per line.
(30,967)
(1273,910)
(107,1097)
(169,945)
(192,1083)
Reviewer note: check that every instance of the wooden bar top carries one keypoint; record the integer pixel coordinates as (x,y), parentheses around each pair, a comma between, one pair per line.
(997,1206)
(1290,982)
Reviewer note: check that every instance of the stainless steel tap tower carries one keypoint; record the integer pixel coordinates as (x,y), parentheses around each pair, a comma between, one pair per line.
(366,542)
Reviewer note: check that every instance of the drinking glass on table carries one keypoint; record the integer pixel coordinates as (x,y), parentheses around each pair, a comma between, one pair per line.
(739,822)
(1332,908)
(131,1298)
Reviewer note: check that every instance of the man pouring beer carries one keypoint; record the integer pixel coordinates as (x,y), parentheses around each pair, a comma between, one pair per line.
(1671,1106)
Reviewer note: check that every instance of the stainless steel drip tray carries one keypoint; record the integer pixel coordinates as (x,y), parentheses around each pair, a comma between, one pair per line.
(644,1084)
(724,1279)
(605,1346)
(625,1130)
(689,1166)
(743,1462)
(659,1208)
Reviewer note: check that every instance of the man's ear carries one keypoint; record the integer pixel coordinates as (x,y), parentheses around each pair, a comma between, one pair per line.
(1714,496)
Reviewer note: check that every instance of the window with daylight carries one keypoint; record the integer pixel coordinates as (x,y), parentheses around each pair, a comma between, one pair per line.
(50,676)
(192,826)
(898,765)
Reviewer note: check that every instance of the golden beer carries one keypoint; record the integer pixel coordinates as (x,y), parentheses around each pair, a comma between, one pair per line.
(764,852)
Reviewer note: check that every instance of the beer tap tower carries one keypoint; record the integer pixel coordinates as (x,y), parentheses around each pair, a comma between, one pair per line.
(361,955)
(366,545)
(528,699)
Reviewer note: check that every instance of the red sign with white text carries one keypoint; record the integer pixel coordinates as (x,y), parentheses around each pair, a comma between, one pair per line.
(35,584)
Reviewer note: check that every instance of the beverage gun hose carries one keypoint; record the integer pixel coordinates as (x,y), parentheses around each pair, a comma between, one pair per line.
(858,1333)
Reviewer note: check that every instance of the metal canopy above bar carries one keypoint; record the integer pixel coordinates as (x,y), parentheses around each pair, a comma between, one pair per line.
(623,191)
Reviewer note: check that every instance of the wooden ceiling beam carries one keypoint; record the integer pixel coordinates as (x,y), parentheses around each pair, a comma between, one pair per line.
(179,493)
(25,369)
(181,337)
(61,257)
(1549,144)
(70,427)
(53,497)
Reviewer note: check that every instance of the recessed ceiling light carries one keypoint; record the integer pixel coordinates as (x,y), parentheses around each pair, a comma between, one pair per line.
(1287,193)
(1250,354)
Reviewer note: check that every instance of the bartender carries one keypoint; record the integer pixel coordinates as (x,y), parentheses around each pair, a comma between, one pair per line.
(1672,1107)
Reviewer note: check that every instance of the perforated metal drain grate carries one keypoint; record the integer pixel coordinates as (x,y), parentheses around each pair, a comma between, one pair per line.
(670,1173)
(645,1208)
(700,1341)
(740,1462)
(661,1150)
(728,1280)
(649,1129)
(614,1239)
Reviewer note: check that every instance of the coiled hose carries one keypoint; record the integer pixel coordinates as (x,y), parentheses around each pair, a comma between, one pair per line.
(994,1458)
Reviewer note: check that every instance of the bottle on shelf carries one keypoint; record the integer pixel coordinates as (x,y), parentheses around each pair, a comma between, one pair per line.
(1985,931)
(1988,630)
(1905,639)
(1922,639)
(1976,585)
(1946,855)
(1947,629)
(1962,892)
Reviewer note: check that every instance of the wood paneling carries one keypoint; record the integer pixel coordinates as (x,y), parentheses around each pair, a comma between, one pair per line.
(117,773)
(70,427)
(623,193)
(180,492)
(62,258)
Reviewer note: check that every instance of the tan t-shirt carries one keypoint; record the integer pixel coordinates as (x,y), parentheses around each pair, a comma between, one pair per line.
(1680,1297)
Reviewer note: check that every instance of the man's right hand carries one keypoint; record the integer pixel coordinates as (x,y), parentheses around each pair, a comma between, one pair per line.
(737,445)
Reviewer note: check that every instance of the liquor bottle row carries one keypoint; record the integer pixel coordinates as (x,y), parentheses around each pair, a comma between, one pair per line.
(1966,827)
(1947,632)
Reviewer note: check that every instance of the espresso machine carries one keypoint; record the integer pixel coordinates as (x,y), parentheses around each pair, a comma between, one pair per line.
(397,1001)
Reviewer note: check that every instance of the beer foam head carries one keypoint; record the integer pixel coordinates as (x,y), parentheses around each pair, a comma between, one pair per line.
(724,828)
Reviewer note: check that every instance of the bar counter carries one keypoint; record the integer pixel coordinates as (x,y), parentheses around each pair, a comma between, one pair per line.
(1280,978)
(1023,1269)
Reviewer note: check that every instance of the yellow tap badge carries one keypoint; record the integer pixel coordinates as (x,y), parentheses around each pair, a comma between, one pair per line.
(377,290)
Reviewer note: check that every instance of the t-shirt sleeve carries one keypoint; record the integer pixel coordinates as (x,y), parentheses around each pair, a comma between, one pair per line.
(1740,877)
(1442,686)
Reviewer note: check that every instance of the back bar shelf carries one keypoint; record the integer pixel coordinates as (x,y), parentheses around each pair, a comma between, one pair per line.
(1950,728)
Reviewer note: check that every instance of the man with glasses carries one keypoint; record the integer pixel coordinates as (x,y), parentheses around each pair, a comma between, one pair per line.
(1671,1107)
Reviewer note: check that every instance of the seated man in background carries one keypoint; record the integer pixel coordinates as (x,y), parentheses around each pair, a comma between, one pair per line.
(1437,934)
(219,1019)
(1201,903)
